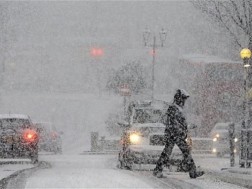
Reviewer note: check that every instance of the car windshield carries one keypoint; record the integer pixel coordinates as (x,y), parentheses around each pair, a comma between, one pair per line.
(147,116)
(13,122)
(152,129)
(89,71)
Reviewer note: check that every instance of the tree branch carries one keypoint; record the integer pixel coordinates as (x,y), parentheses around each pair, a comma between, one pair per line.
(243,24)
(218,11)
(220,18)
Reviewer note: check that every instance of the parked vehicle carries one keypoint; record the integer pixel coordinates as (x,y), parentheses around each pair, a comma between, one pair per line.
(220,137)
(201,145)
(50,138)
(18,137)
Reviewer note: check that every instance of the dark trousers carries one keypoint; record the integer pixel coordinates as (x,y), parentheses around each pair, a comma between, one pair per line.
(165,155)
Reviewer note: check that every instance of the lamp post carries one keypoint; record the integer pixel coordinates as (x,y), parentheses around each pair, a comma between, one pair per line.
(245,55)
(97,53)
(146,36)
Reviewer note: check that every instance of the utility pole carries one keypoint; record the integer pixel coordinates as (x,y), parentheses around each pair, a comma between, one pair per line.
(153,67)
(245,157)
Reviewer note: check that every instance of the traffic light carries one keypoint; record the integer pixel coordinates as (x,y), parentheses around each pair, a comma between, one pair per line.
(96,52)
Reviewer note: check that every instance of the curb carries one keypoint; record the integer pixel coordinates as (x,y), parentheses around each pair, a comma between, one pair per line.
(4,181)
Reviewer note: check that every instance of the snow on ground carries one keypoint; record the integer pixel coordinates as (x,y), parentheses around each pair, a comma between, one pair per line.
(99,171)
(210,183)
(83,171)
(8,169)
(210,163)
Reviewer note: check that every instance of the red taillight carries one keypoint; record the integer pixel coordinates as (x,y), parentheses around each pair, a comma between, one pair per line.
(30,135)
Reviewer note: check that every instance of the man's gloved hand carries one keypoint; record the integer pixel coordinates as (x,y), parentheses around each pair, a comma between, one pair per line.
(192,126)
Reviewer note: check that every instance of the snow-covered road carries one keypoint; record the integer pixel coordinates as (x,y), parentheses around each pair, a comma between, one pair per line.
(85,171)
(99,171)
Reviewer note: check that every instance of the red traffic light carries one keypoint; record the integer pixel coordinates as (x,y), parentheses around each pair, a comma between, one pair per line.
(97,52)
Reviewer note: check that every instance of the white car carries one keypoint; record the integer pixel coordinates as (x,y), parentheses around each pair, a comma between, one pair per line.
(143,143)
(220,137)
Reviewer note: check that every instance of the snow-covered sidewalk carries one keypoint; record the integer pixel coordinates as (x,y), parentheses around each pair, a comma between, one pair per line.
(10,168)
(221,169)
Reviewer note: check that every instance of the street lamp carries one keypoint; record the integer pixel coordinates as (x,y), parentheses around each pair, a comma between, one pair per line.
(146,36)
(245,55)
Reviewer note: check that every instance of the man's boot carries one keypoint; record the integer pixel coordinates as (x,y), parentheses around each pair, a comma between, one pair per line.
(195,174)
(158,173)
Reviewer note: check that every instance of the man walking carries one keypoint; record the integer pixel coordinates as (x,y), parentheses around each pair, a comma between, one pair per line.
(176,133)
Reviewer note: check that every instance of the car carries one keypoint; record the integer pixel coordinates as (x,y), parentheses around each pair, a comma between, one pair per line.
(220,137)
(141,144)
(142,141)
(200,145)
(18,137)
(50,139)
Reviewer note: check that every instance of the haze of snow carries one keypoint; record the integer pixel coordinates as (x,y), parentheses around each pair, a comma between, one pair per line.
(47,71)
(75,114)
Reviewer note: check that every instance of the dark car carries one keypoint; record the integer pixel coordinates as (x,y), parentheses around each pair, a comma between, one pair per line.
(18,137)
(50,138)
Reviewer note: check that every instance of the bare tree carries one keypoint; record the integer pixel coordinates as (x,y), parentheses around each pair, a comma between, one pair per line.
(132,74)
(235,16)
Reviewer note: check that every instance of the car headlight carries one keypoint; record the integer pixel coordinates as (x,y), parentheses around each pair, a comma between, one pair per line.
(236,139)
(214,150)
(214,139)
(217,135)
(134,138)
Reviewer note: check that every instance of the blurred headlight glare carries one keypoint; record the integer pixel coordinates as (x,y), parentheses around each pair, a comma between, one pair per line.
(214,139)
(134,138)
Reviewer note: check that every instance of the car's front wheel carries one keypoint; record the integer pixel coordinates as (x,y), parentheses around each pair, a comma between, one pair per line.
(125,162)
(34,160)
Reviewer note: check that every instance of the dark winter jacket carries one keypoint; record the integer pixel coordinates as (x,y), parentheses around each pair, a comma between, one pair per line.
(175,123)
